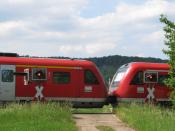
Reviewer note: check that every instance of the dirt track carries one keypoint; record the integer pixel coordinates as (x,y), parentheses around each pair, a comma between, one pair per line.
(88,122)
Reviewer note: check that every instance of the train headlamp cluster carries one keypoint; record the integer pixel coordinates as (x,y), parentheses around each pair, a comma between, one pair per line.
(39,74)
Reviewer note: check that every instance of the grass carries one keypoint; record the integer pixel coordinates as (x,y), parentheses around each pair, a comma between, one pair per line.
(37,117)
(105,128)
(147,117)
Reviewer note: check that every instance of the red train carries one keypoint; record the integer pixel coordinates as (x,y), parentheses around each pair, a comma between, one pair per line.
(140,82)
(27,79)
(79,81)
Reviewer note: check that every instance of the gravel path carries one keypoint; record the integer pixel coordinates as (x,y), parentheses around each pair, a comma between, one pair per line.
(88,122)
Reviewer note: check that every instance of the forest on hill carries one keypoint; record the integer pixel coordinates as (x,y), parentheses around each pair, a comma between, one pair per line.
(109,64)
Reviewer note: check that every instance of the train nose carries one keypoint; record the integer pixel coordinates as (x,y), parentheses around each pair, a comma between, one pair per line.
(111,91)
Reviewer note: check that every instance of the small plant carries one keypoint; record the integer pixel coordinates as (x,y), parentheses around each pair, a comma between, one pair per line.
(105,128)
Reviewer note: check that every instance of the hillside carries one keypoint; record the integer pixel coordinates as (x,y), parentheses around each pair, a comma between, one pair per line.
(109,64)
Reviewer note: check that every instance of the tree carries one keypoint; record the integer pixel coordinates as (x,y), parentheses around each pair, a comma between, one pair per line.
(169,30)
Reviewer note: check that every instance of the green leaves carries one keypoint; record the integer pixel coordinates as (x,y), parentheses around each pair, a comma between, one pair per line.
(169,30)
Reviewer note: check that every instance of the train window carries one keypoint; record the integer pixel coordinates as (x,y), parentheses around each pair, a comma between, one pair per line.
(150,77)
(61,77)
(119,76)
(90,78)
(116,79)
(162,79)
(138,78)
(7,76)
(39,74)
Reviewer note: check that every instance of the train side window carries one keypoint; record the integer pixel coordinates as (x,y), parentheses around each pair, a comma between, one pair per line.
(39,74)
(61,77)
(150,77)
(138,78)
(90,77)
(162,79)
(7,76)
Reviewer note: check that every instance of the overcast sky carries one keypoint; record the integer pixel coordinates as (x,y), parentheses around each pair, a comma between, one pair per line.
(84,28)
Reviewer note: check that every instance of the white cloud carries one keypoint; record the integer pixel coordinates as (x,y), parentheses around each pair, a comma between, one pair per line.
(132,14)
(153,38)
(11,28)
(55,27)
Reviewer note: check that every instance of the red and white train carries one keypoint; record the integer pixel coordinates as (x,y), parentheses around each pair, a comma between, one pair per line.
(140,82)
(79,81)
(28,79)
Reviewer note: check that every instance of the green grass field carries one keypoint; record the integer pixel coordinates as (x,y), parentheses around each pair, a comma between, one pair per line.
(147,117)
(56,117)
(37,117)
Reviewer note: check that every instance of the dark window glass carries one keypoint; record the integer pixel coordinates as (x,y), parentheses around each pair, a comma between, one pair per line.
(90,78)
(162,79)
(138,78)
(7,76)
(151,77)
(39,74)
(61,77)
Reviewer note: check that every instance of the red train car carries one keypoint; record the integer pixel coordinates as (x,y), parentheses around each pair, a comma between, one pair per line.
(140,82)
(27,79)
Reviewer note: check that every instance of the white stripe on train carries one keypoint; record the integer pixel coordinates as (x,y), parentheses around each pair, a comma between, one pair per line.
(139,99)
(65,99)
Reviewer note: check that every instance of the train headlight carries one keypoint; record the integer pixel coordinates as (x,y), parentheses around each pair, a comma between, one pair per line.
(39,74)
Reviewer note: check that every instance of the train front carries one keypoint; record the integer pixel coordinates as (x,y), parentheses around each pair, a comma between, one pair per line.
(140,82)
(118,80)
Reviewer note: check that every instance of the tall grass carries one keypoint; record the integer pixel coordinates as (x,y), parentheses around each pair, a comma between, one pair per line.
(147,117)
(37,117)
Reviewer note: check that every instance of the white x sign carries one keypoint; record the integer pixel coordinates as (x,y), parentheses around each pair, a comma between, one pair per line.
(150,95)
(39,90)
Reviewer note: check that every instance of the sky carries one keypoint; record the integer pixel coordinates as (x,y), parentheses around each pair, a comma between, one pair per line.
(84,28)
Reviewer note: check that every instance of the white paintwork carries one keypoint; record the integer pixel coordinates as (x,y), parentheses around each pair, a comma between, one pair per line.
(88,89)
(140,89)
(140,100)
(7,89)
(71,99)
(150,95)
(26,78)
(39,90)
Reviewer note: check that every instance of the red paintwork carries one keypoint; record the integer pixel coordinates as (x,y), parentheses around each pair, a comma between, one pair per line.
(126,90)
(73,90)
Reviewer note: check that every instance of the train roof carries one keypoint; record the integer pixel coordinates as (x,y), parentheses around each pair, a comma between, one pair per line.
(44,61)
(147,65)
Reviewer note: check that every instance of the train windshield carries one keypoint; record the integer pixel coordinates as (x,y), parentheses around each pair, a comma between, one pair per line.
(118,76)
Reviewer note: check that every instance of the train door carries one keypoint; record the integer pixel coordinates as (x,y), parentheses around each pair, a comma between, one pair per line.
(91,85)
(7,82)
(163,91)
(138,86)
